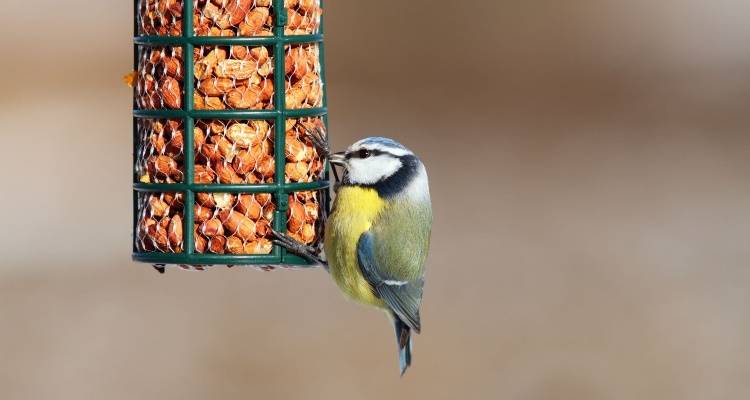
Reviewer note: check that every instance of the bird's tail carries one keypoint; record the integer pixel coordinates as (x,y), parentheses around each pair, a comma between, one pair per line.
(403,340)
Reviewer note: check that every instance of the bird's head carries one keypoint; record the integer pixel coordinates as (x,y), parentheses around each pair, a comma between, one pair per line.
(384,165)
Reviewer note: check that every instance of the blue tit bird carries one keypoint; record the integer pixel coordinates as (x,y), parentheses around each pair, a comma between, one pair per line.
(378,233)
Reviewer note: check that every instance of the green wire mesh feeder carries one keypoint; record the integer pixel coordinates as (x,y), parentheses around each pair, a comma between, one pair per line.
(221,156)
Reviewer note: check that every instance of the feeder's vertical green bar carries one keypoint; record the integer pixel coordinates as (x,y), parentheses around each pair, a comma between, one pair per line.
(188,135)
(325,201)
(321,50)
(282,200)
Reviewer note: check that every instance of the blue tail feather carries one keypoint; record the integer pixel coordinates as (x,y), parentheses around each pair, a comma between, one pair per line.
(403,340)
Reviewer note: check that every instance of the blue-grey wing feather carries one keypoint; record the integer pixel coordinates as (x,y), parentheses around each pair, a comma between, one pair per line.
(402,294)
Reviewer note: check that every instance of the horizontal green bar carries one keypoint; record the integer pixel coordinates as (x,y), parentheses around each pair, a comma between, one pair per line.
(218,259)
(305,186)
(230,114)
(306,112)
(265,188)
(225,40)
(218,114)
(255,114)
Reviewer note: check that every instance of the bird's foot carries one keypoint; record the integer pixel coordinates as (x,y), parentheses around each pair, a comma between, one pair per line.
(293,246)
(318,139)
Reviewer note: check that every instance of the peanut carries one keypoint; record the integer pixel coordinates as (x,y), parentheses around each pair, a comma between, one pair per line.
(249,206)
(243,97)
(235,69)
(238,224)
(170,92)
(298,172)
(227,174)
(238,9)
(295,215)
(224,200)
(159,208)
(212,227)
(205,200)
(234,245)
(267,166)
(199,138)
(217,244)
(260,246)
(202,214)
(262,227)
(175,232)
(200,242)
(245,136)
(203,175)
(216,86)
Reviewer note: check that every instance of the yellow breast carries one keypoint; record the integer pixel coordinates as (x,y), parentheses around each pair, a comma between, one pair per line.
(354,211)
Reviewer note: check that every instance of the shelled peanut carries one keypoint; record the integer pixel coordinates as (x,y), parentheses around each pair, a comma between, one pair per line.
(241,77)
(160,153)
(304,87)
(233,77)
(303,163)
(302,217)
(159,78)
(227,223)
(233,18)
(160,17)
(227,17)
(303,17)
(160,217)
(234,152)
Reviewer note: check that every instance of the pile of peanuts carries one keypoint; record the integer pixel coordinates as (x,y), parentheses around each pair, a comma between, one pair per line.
(227,17)
(234,152)
(158,80)
(227,223)
(224,223)
(226,151)
(304,87)
(160,217)
(236,77)
(303,162)
(241,77)
(160,153)
(228,77)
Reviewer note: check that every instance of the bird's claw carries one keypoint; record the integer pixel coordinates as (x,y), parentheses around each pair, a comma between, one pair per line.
(318,139)
(293,246)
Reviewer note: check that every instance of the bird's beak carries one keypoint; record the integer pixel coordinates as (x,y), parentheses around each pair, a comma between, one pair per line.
(338,159)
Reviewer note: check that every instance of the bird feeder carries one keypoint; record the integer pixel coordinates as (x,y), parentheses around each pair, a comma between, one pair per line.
(224,92)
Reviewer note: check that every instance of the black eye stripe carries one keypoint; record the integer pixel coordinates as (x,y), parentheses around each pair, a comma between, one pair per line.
(369,153)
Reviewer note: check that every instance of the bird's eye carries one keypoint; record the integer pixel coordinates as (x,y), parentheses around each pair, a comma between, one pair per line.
(364,153)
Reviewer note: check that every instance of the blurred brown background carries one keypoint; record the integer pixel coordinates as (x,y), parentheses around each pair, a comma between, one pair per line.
(590,172)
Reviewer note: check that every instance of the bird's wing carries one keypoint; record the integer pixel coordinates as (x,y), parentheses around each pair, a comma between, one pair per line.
(402,293)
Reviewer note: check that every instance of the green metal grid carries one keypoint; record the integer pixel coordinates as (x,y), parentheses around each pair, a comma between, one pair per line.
(279,189)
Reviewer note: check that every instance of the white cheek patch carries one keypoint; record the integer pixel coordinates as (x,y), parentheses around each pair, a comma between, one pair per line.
(368,171)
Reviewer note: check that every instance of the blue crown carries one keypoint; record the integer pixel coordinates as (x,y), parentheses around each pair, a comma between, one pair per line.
(384,141)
